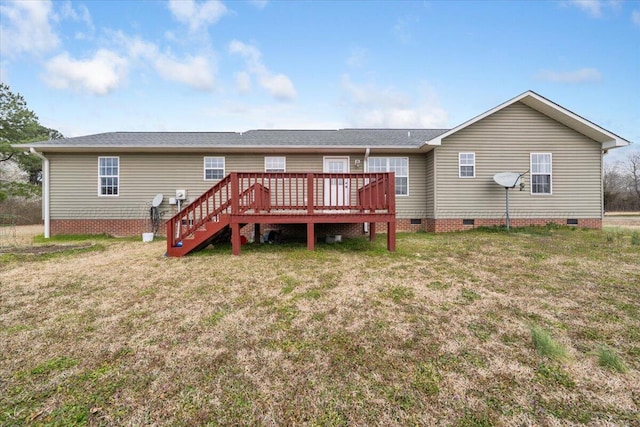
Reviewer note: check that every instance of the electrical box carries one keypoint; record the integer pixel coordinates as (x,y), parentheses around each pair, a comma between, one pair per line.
(181,194)
(173,201)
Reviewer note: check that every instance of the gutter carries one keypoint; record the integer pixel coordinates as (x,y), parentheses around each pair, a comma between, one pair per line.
(45,192)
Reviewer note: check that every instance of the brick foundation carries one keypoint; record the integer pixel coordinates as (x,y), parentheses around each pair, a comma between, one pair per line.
(135,227)
(112,227)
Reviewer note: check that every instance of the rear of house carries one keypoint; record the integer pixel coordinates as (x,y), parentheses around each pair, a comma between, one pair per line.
(443,178)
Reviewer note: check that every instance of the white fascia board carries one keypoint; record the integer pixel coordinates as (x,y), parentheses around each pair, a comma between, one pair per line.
(616,143)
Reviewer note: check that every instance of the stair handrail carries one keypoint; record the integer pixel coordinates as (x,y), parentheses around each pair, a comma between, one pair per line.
(176,220)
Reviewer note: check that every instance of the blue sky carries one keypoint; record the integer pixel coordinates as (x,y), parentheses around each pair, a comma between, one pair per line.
(97,66)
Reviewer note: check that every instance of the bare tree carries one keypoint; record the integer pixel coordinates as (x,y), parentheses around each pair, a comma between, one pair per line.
(631,167)
(613,187)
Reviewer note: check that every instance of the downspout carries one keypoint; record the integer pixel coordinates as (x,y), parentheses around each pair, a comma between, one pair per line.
(45,191)
(367,151)
(602,207)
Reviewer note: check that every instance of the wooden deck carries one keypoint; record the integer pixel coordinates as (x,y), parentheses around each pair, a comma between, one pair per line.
(283,198)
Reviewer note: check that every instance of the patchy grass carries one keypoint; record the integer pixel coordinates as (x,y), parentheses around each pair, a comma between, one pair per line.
(438,332)
(546,346)
(610,360)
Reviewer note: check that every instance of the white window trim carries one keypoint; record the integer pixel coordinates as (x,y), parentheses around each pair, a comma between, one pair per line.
(460,165)
(100,176)
(550,174)
(394,157)
(284,163)
(204,167)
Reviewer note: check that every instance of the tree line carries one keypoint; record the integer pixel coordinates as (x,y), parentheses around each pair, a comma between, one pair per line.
(621,184)
(20,173)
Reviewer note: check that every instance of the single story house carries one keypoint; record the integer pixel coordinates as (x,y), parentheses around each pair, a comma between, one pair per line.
(443,178)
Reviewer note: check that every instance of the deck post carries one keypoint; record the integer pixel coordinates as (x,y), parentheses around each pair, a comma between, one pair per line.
(372,232)
(235,193)
(235,238)
(310,197)
(256,232)
(311,236)
(391,236)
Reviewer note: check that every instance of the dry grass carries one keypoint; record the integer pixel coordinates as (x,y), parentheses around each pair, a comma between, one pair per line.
(624,220)
(437,333)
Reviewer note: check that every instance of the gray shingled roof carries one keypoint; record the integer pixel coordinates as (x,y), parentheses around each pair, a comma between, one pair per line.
(400,138)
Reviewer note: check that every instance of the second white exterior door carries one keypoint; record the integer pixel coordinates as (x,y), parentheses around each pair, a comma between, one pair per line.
(336,190)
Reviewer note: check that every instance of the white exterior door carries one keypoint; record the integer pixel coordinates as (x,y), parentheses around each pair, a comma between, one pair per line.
(336,190)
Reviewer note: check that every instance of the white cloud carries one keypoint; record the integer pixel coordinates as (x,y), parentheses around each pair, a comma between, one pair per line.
(635,17)
(250,53)
(197,14)
(81,14)
(195,71)
(596,8)
(260,4)
(592,7)
(243,82)
(26,28)
(371,106)
(100,75)
(583,75)
(278,86)
(135,47)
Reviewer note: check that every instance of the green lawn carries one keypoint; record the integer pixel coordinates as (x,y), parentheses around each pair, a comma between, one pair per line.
(537,327)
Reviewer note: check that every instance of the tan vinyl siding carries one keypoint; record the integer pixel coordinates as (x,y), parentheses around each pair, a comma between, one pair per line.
(430,183)
(503,142)
(74,181)
(414,205)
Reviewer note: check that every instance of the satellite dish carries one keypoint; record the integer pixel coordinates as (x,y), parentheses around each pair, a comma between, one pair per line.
(157,200)
(508,179)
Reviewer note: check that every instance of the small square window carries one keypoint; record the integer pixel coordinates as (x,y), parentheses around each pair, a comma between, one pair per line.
(468,222)
(572,222)
(213,168)
(416,221)
(275,164)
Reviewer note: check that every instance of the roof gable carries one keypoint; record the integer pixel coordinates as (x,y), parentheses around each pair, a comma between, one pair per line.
(607,139)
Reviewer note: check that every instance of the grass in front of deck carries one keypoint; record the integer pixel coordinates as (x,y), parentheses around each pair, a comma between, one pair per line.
(346,335)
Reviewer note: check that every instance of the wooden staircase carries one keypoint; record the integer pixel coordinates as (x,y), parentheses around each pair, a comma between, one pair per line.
(210,232)
(207,219)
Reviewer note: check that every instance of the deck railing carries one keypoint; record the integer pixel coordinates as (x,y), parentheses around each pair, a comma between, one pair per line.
(275,193)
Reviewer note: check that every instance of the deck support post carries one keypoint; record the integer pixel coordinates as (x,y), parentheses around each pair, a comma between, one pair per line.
(372,232)
(235,238)
(391,236)
(311,236)
(310,195)
(256,232)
